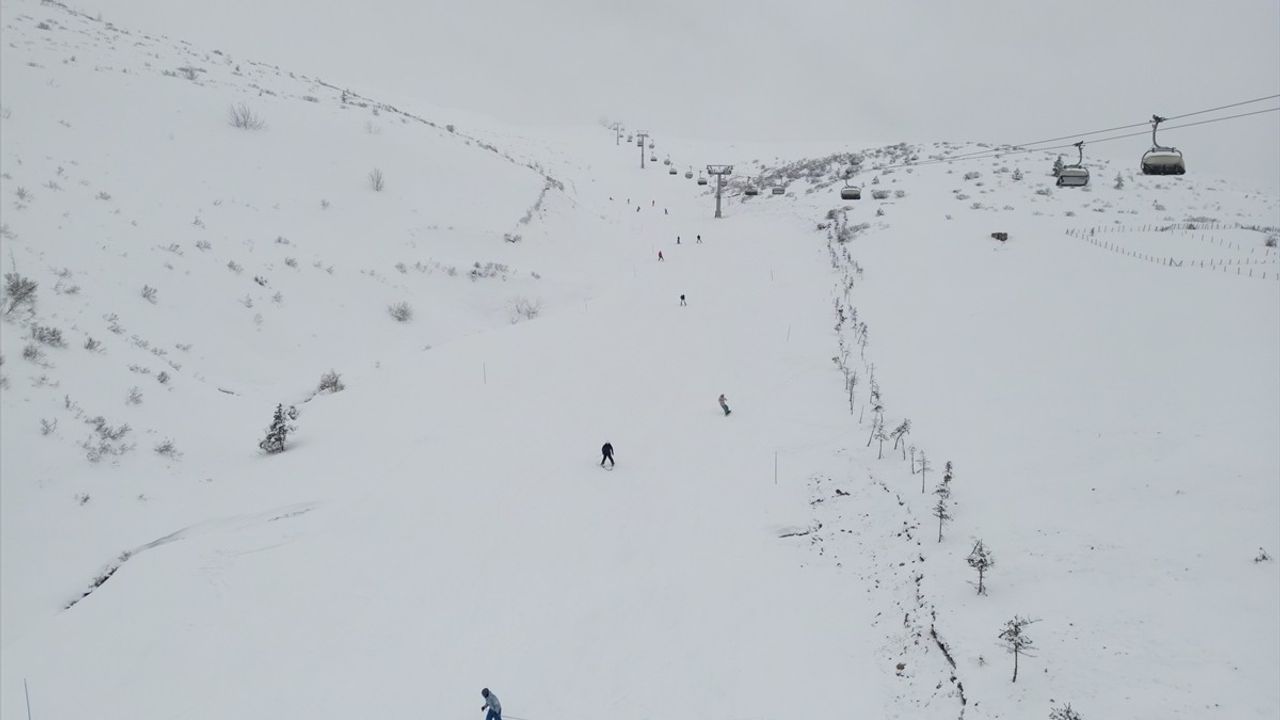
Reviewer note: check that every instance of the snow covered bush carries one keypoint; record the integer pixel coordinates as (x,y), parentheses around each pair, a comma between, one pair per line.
(135,396)
(1017,174)
(32,353)
(149,294)
(525,309)
(376,180)
(19,290)
(1119,181)
(92,345)
(331,382)
(401,311)
(167,449)
(242,116)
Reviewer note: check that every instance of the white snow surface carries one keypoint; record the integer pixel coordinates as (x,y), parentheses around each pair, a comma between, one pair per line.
(1106,383)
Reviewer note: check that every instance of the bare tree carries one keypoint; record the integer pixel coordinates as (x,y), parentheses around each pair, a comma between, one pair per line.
(925,467)
(242,116)
(981,559)
(899,435)
(1016,640)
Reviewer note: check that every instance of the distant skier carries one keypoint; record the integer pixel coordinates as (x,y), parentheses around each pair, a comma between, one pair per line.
(699,240)
(660,255)
(664,211)
(677,239)
(637,208)
(682,302)
(724,405)
(606,452)
(492,705)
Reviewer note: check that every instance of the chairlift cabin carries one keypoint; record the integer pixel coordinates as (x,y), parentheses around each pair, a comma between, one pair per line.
(702,180)
(688,174)
(666,161)
(777,190)
(1076,175)
(653,158)
(850,192)
(672,171)
(1160,160)
(651,145)
(751,190)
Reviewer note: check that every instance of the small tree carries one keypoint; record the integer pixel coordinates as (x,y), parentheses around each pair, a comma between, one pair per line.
(331,382)
(1119,186)
(881,436)
(279,430)
(940,509)
(1063,713)
(376,180)
(1016,640)
(1017,174)
(925,467)
(981,559)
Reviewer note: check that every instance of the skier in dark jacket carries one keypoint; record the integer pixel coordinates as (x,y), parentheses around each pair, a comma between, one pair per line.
(492,705)
(606,452)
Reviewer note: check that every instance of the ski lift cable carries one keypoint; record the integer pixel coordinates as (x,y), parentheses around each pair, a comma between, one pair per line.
(1015,149)
(1144,123)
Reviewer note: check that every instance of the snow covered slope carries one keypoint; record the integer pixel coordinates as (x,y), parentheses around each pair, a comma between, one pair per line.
(1110,406)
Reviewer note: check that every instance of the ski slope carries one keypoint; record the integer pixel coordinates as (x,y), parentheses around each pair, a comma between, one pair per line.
(442,524)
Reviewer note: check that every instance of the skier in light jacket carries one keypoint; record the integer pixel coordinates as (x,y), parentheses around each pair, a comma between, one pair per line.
(492,705)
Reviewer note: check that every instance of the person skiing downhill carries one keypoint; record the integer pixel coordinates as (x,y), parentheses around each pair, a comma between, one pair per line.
(606,453)
(492,705)
(724,405)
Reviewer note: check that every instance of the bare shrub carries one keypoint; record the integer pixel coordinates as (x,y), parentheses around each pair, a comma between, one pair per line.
(149,294)
(32,353)
(525,309)
(242,116)
(401,311)
(46,335)
(167,449)
(23,194)
(162,377)
(48,427)
(376,181)
(331,382)
(92,345)
(235,267)
(291,262)
(19,290)
(135,396)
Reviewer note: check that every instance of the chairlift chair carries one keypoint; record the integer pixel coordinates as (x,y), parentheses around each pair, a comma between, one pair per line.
(1075,175)
(1160,160)
(751,190)
(688,174)
(701,180)
(777,190)
(653,158)
(672,171)
(850,192)
(666,161)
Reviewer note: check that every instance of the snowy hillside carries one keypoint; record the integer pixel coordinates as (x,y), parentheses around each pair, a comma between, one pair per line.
(1105,384)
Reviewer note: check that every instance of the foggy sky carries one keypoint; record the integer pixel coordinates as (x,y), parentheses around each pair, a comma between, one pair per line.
(1004,71)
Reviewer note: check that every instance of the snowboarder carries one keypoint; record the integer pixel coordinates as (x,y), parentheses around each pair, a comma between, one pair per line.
(724,405)
(699,240)
(682,302)
(606,451)
(660,255)
(492,705)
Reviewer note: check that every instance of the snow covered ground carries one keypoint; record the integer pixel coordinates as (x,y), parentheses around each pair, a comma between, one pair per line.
(1106,383)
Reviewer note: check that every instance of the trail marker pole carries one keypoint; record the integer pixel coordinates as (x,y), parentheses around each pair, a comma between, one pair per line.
(27,693)
(719,171)
(775,467)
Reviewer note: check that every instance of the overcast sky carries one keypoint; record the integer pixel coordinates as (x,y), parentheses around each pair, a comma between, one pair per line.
(995,70)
